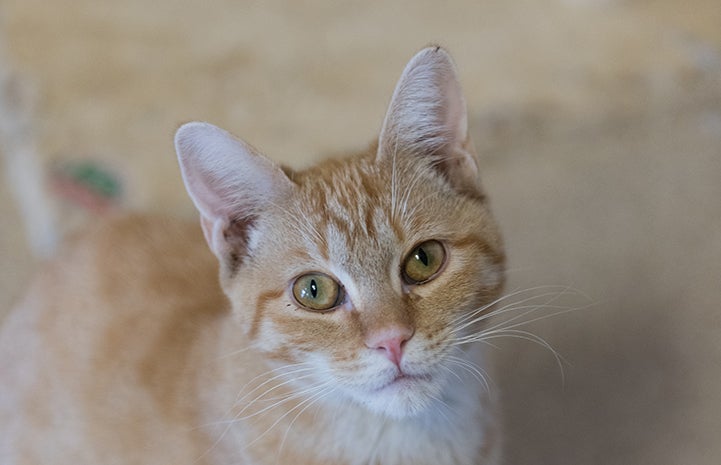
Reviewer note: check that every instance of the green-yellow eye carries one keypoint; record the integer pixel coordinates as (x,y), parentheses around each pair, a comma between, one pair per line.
(318,292)
(424,262)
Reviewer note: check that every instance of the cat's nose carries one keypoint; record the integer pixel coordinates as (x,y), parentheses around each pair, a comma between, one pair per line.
(390,341)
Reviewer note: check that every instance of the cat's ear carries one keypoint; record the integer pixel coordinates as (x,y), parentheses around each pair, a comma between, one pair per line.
(427,118)
(229,182)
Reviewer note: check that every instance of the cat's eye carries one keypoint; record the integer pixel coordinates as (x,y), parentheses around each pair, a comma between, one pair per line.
(424,262)
(317,292)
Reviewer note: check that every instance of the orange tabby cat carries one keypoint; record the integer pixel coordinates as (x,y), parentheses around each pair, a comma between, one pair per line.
(345,331)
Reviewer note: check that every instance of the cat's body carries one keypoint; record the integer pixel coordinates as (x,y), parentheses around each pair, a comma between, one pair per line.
(355,291)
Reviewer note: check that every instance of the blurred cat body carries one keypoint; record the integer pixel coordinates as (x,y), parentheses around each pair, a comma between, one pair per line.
(127,348)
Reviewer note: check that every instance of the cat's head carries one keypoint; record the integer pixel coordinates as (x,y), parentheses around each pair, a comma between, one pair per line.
(364,270)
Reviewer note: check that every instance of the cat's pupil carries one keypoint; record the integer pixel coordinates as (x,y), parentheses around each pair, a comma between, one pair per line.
(317,292)
(421,255)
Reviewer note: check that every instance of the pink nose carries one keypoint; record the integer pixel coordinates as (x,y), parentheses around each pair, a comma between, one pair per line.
(391,342)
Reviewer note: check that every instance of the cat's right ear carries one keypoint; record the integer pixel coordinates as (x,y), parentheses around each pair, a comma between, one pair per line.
(229,182)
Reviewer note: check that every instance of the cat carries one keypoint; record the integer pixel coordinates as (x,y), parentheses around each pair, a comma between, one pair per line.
(341,328)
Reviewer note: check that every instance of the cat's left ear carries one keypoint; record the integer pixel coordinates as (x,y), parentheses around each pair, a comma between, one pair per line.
(229,182)
(427,118)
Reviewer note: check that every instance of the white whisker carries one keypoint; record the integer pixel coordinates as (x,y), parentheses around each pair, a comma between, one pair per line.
(232,421)
(457,376)
(235,352)
(270,380)
(529,309)
(325,386)
(476,316)
(466,316)
(474,370)
(527,336)
(515,293)
(278,402)
(563,311)
(440,410)
(315,398)
(533,308)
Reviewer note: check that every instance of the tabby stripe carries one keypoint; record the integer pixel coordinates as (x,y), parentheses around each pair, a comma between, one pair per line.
(260,306)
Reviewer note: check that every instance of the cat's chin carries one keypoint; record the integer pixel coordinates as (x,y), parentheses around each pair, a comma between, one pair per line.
(403,397)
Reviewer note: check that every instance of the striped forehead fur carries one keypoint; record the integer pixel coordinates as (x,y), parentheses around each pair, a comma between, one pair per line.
(358,195)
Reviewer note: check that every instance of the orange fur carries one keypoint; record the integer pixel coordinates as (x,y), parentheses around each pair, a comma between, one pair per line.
(126,350)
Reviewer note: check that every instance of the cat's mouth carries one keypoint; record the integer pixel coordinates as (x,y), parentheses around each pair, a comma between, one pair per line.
(401,395)
(403,381)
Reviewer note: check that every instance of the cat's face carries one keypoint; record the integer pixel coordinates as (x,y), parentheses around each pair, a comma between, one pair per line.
(361,258)
(361,272)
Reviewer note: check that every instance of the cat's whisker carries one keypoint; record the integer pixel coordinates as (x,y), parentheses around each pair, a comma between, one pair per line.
(277,386)
(299,368)
(277,400)
(235,352)
(513,308)
(405,215)
(478,315)
(322,390)
(230,422)
(273,401)
(474,370)
(406,197)
(456,375)
(508,327)
(527,336)
(314,400)
(240,399)
(438,407)
(373,458)
(547,304)
(562,311)
(420,203)
(270,371)
(306,367)
(460,319)
(505,324)
(310,231)
(238,419)
(280,401)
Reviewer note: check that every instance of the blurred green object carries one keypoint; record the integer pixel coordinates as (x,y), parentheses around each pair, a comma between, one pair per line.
(93,177)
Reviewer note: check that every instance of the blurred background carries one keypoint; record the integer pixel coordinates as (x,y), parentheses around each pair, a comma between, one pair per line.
(599,126)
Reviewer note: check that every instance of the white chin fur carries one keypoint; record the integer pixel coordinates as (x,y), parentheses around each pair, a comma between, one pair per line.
(401,399)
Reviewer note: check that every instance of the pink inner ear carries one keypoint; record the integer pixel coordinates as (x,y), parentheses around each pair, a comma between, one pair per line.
(427,117)
(427,111)
(226,178)
(456,116)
